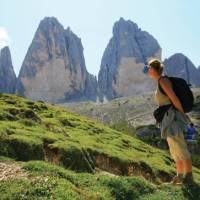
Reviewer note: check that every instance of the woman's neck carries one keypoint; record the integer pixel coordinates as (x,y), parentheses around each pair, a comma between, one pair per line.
(157,78)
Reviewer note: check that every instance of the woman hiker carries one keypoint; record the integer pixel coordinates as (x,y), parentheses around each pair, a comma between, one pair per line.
(173,124)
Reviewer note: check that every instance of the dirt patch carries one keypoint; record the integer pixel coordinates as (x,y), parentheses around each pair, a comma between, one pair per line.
(8,171)
(105,163)
(117,168)
(51,155)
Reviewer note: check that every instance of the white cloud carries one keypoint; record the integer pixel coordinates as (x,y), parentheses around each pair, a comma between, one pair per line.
(4,37)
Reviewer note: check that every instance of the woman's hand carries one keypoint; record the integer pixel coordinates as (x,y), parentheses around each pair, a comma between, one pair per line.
(188,119)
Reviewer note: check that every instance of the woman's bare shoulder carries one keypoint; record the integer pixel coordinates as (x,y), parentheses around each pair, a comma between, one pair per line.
(165,80)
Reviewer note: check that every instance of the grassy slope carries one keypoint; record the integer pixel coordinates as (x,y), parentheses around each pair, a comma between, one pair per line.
(134,110)
(47,181)
(39,131)
(133,115)
(124,114)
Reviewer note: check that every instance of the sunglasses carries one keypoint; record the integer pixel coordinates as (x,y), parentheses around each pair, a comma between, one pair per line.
(146,69)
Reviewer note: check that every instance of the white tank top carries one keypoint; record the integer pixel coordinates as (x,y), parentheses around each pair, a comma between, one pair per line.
(160,98)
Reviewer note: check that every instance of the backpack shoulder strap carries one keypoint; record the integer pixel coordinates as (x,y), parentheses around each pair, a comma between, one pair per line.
(160,88)
(162,77)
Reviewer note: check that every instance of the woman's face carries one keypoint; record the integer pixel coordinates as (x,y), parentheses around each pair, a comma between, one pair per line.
(153,73)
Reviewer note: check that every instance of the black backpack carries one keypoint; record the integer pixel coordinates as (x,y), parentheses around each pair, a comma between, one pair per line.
(182,91)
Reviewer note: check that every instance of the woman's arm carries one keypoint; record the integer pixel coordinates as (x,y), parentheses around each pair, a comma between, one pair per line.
(167,87)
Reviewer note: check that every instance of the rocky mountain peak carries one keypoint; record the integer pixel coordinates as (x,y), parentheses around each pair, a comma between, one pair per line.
(181,66)
(7,74)
(54,67)
(121,66)
(123,26)
(5,56)
(75,49)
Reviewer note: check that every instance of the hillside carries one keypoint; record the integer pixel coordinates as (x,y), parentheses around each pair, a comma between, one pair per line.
(133,110)
(41,180)
(80,158)
(134,115)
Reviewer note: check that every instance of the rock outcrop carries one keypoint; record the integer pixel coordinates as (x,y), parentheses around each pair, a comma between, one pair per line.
(54,67)
(179,65)
(7,74)
(123,60)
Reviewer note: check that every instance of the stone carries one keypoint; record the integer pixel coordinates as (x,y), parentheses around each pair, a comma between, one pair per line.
(180,66)
(123,60)
(54,67)
(7,74)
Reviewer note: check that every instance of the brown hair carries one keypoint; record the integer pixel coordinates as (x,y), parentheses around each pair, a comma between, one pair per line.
(157,65)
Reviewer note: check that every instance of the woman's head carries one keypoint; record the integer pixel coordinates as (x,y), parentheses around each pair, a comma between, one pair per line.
(155,68)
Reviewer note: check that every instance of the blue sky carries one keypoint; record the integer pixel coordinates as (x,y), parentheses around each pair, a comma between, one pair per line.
(174,23)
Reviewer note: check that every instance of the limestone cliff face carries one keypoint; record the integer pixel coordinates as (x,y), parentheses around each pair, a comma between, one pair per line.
(181,66)
(198,69)
(54,67)
(123,60)
(7,74)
